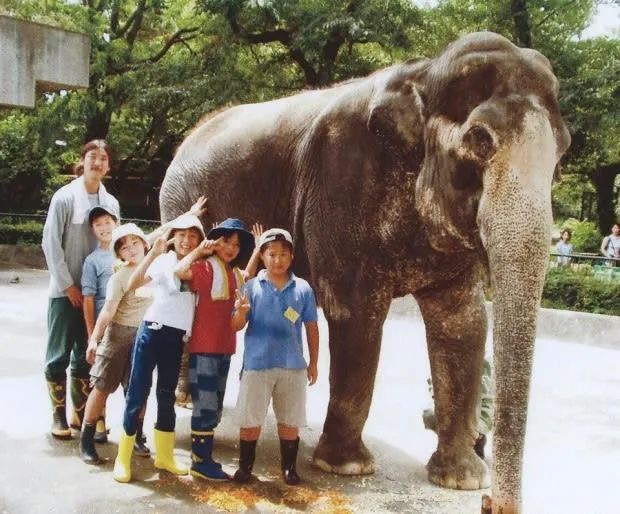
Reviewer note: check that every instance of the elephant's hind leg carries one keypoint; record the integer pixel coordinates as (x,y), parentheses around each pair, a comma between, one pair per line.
(455,322)
(354,345)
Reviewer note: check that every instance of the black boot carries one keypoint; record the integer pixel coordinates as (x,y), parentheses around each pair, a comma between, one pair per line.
(87,444)
(139,447)
(101,431)
(80,389)
(58,394)
(288,452)
(247,453)
(479,445)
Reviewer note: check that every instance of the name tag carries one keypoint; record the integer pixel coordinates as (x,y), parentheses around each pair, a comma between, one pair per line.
(144,292)
(291,314)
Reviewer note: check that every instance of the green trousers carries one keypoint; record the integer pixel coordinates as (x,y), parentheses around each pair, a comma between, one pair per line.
(66,341)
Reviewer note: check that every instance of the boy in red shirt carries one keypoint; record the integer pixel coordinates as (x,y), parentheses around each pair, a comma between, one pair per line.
(213,341)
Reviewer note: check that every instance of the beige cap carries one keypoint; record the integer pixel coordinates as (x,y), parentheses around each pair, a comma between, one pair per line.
(128,229)
(184,222)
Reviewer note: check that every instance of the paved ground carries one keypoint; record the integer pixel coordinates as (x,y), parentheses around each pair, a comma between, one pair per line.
(571,461)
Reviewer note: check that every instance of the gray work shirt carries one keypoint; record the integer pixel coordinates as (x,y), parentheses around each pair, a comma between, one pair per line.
(67,235)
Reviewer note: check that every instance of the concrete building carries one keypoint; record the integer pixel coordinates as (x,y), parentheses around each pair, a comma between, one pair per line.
(36,58)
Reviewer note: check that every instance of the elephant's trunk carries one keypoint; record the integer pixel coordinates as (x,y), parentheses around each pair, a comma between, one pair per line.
(515,220)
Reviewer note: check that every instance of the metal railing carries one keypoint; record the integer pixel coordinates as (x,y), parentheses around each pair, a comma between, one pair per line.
(16,217)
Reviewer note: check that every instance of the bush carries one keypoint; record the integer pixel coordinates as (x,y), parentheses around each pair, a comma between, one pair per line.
(28,232)
(586,237)
(581,291)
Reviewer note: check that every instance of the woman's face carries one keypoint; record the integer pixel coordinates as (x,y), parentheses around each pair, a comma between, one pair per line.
(565,236)
(185,240)
(615,230)
(96,164)
(229,248)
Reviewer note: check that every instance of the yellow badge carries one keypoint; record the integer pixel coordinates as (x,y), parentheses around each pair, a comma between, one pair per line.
(291,314)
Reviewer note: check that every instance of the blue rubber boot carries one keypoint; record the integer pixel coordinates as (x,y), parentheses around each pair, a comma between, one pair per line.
(203,465)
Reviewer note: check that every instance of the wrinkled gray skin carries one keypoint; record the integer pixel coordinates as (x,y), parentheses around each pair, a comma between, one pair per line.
(413,180)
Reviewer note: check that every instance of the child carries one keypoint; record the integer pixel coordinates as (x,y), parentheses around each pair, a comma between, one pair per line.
(96,271)
(159,343)
(120,318)
(215,280)
(275,304)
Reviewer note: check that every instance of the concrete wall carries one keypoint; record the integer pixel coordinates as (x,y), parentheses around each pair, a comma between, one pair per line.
(39,57)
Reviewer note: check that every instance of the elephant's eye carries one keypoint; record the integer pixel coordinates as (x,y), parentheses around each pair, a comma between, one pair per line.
(467,175)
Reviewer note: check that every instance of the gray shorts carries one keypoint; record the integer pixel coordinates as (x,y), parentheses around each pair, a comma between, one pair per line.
(113,358)
(287,387)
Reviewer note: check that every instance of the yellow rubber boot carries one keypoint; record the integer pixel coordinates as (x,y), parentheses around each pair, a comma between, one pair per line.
(122,464)
(164,457)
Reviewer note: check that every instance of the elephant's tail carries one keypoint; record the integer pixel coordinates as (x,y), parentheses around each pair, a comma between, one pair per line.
(174,197)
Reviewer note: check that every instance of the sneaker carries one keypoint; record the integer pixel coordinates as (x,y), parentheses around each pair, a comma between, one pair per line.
(141,449)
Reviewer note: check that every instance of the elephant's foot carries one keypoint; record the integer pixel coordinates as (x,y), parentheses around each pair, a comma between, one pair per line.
(458,470)
(343,458)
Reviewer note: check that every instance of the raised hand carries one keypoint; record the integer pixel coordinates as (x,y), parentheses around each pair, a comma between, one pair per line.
(242,302)
(257,231)
(160,245)
(200,206)
(208,246)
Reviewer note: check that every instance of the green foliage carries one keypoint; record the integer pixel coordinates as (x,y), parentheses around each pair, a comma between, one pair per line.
(28,232)
(580,291)
(586,237)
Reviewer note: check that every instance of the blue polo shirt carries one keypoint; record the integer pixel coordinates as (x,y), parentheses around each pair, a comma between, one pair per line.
(273,336)
(96,272)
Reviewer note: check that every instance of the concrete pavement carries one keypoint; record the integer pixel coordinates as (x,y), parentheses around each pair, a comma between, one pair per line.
(571,459)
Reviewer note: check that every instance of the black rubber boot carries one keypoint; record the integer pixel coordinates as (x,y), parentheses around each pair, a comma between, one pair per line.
(288,452)
(247,453)
(479,445)
(87,444)
(101,431)
(80,389)
(57,390)
(139,447)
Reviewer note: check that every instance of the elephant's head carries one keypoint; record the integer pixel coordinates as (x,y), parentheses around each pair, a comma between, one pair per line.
(492,136)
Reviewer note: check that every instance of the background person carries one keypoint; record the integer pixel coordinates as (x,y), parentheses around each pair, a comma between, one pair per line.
(564,248)
(610,246)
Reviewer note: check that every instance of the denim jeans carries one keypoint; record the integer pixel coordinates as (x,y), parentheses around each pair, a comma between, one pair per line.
(156,346)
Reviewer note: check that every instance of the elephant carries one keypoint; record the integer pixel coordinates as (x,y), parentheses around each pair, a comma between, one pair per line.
(428,178)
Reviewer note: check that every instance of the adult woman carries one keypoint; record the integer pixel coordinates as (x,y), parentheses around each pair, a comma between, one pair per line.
(610,247)
(67,240)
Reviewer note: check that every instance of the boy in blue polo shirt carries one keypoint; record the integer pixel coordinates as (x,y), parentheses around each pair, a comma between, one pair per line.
(275,304)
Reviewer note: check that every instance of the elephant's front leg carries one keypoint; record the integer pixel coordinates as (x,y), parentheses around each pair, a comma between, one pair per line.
(455,322)
(354,344)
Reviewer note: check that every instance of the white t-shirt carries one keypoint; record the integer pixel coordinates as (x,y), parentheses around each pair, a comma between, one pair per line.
(171,306)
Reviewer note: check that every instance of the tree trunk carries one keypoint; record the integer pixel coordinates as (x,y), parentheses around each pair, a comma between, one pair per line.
(603,179)
(520,15)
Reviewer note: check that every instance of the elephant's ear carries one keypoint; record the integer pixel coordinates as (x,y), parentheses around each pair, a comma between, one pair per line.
(396,115)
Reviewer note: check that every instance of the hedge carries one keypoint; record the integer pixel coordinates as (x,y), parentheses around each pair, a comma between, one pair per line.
(581,291)
(27,232)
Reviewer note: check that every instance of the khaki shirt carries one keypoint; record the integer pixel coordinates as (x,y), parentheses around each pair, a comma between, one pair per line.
(131,304)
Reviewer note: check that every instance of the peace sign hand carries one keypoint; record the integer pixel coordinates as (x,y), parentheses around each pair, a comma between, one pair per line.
(242,303)
(208,246)
(160,245)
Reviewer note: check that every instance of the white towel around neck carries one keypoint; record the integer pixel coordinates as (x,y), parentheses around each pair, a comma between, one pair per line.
(81,205)
(220,289)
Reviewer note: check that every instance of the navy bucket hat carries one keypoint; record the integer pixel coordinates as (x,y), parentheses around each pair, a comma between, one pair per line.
(229,226)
